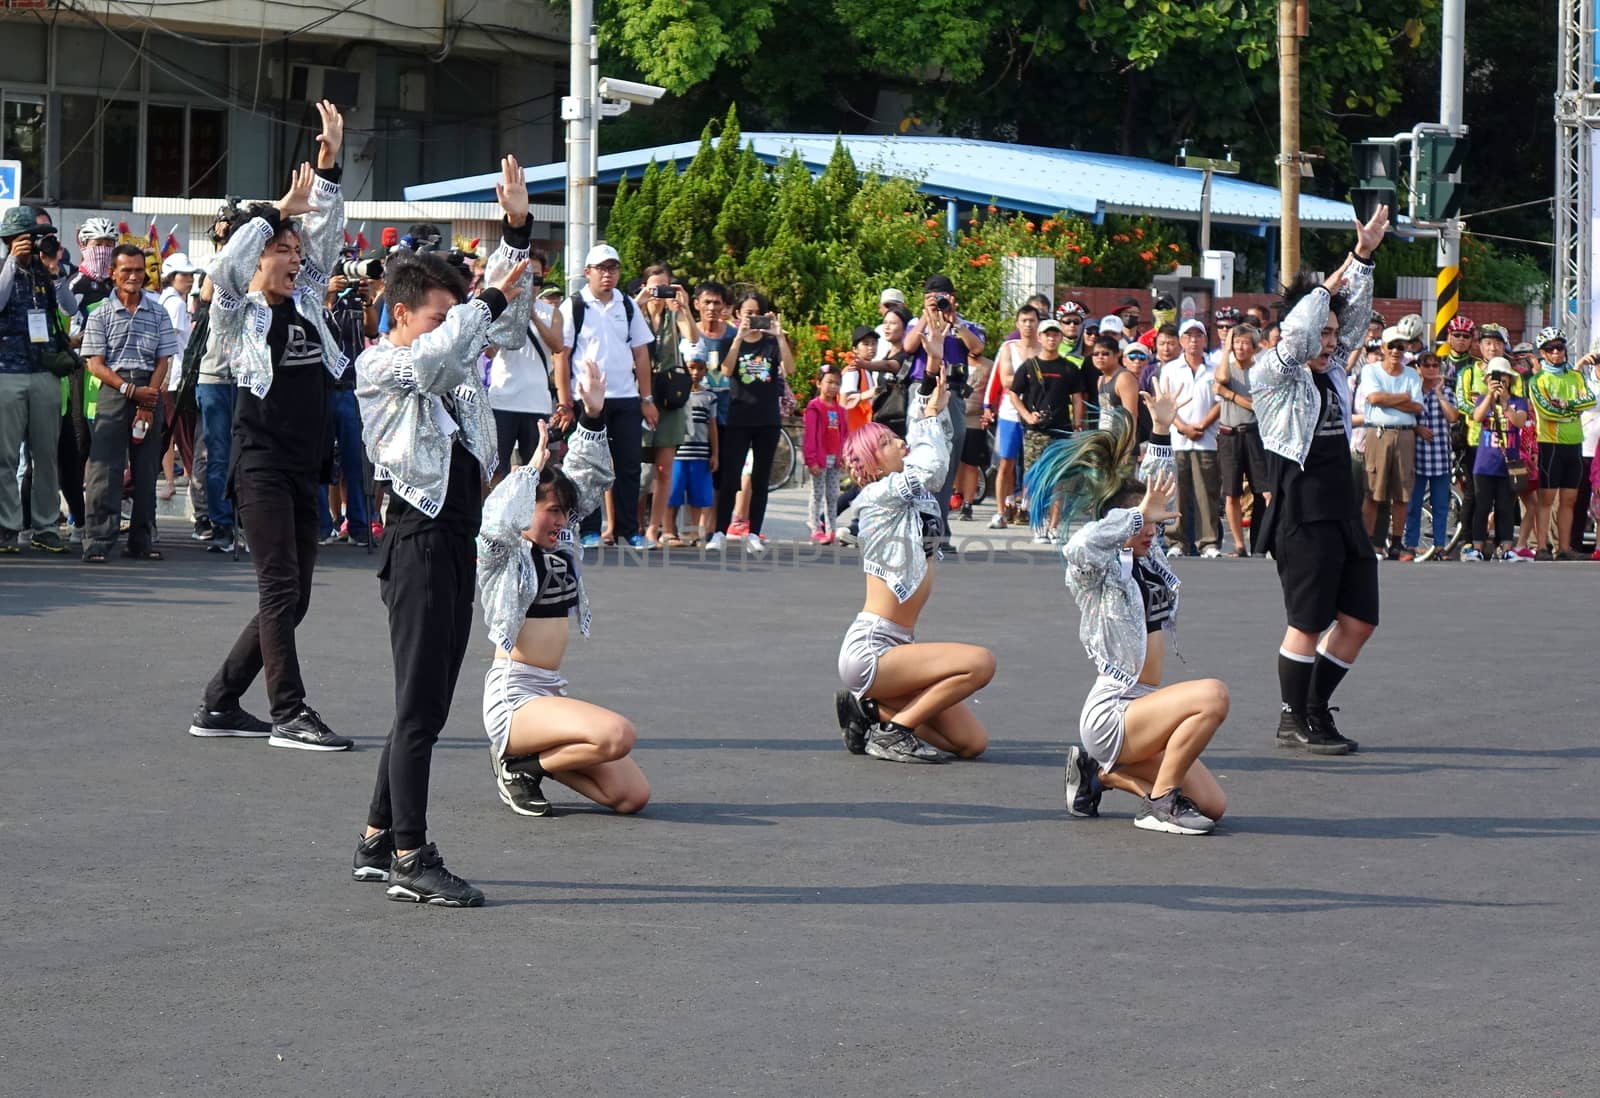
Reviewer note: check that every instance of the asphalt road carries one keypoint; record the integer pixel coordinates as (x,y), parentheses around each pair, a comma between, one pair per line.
(786,919)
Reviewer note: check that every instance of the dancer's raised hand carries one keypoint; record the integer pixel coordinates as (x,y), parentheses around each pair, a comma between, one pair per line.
(1164,404)
(592,388)
(1157,503)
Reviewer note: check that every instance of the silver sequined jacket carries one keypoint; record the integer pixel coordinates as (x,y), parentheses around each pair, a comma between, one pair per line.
(1285,397)
(241,317)
(507,580)
(399,390)
(1100,577)
(891,510)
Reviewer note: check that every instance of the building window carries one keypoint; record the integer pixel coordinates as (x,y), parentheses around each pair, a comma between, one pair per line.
(208,153)
(22,138)
(119,152)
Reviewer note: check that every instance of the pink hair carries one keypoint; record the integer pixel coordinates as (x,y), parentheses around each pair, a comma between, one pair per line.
(861,448)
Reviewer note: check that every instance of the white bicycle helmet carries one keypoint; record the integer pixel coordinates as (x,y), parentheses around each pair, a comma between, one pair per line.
(1552,334)
(96,228)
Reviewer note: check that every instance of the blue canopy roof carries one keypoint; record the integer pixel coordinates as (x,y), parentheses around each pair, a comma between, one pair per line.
(1029,178)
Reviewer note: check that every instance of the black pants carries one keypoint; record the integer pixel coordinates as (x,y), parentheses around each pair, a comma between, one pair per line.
(426,578)
(1494,493)
(735,442)
(111,450)
(624,429)
(1580,507)
(278,513)
(1469,492)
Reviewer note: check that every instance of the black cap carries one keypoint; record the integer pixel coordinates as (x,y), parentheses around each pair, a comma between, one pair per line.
(1128,303)
(863,332)
(938,284)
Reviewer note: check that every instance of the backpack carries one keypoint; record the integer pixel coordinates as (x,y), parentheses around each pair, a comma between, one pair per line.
(579,308)
(199,336)
(670,382)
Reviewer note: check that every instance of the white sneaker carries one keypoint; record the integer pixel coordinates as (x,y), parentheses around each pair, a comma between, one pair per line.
(754,544)
(1471,553)
(718,542)
(1053,535)
(1041,537)
(1211,552)
(1511,558)
(998,522)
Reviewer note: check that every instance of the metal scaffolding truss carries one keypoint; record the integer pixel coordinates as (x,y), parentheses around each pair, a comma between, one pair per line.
(1577,123)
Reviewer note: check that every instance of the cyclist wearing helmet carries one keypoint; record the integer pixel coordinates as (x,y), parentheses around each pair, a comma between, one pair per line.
(91,286)
(1559,395)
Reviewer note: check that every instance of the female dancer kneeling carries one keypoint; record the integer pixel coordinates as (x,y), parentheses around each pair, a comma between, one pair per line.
(1145,738)
(529,583)
(901,694)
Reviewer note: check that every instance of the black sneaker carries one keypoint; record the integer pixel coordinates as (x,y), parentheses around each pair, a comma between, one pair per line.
(1083,783)
(48,541)
(421,878)
(1295,730)
(214,724)
(518,780)
(202,530)
(853,722)
(966,511)
(1174,814)
(306,731)
(374,857)
(221,540)
(1321,720)
(893,743)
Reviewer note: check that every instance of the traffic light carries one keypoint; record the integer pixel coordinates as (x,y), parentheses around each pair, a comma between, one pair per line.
(1377,178)
(1439,156)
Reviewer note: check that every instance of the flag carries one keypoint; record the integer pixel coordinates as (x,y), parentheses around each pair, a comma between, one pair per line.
(122,227)
(155,240)
(361,237)
(171,244)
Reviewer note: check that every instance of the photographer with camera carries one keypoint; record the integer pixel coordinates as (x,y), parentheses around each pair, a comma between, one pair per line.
(665,305)
(352,317)
(33,297)
(963,339)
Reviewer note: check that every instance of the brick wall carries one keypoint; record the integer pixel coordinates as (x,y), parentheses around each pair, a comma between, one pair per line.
(1102,300)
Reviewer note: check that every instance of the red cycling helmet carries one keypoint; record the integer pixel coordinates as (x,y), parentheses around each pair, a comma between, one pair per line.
(1460,323)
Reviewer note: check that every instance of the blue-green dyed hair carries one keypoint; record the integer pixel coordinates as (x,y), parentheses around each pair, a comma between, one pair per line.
(1087,474)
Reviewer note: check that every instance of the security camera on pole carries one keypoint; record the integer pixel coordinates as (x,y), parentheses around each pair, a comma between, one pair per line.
(592,98)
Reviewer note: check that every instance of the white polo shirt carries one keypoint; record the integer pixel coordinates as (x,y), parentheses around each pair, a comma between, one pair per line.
(1195,387)
(608,338)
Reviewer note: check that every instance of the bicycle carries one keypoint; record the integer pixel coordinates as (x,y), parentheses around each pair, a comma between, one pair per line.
(783,463)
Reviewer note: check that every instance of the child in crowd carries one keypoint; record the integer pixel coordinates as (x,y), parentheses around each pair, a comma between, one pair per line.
(695,462)
(824,441)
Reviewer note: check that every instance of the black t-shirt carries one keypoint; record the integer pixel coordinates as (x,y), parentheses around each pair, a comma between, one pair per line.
(90,292)
(1154,594)
(755,385)
(1323,491)
(288,429)
(1047,386)
(462,509)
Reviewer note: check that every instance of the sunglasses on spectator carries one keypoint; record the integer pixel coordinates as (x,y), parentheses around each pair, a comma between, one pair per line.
(1397,345)
(1555,346)
(1137,358)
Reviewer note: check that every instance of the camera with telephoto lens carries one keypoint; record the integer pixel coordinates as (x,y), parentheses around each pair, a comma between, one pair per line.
(941,304)
(45,241)
(356,269)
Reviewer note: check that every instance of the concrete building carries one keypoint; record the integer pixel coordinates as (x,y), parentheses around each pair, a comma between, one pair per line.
(102,102)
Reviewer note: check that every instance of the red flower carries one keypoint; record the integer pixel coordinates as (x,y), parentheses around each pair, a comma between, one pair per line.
(1049,224)
(932,223)
(1172,247)
(1138,234)
(994,209)
(1120,238)
(1147,256)
(1027,226)
(1084,260)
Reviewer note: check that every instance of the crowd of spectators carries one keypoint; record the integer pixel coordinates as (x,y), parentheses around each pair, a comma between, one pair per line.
(1483,451)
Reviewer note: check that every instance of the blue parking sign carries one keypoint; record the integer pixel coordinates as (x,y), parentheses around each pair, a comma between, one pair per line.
(10,183)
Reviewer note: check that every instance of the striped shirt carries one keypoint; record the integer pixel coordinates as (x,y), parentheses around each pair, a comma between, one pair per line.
(130,340)
(696,444)
(1433,457)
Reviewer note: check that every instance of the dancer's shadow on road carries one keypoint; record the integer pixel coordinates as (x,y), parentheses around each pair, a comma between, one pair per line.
(1359,767)
(921,813)
(1416,827)
(1186,898)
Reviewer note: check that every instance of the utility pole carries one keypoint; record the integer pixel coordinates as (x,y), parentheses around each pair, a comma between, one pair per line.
(579,113)
(1292,17)
(1452,50)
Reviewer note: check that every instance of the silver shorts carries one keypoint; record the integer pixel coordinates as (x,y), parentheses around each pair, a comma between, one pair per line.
(1102,724)
(868,638)
(507,686)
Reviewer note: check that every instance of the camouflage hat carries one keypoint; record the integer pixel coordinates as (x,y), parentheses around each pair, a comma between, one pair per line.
(17,220)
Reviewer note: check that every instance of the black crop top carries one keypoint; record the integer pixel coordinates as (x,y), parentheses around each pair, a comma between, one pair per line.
(1153,592)
(558,584)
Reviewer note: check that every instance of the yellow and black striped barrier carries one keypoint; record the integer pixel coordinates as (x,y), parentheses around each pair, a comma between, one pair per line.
(1446,300)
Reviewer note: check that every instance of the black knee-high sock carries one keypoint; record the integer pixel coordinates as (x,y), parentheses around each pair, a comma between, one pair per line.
(1294,679)
(1326,675)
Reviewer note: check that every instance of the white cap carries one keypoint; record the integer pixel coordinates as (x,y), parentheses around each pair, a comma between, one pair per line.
(1191,325)
(177,264)
(601,253)
(1498,365)
(1111,324)
(891,296)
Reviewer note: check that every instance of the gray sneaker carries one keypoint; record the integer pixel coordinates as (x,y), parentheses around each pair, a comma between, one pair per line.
(1174,814)
(895,744)
(853,722)
(1083,783)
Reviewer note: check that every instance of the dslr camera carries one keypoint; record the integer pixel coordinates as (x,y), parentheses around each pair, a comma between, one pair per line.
(356,269)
